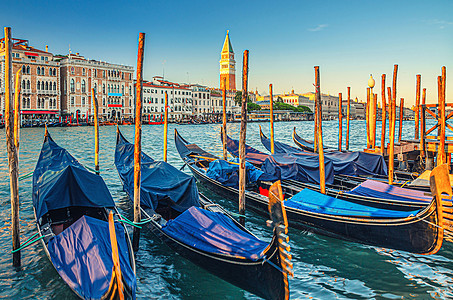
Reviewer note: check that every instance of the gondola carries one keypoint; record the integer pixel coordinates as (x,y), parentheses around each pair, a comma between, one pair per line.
(199,230)
(417,231)
(77,222)
(369,192)
(400,177)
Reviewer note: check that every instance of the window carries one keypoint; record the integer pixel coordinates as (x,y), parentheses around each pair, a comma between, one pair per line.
(47,86)
(72,88)
(42,85)
(122,89)
(95,72)
(54,86)
(83,100)
(42,71)
(83,86)
(54,72)
(95,87)
(103,88)
(39,71)
(24,70)
(72,100)
(103,101)
(50,72)
(28,69)
(72,70)
(108,88)
(28,84)
(38,85)
(130,91)
(83,72)
(103,73)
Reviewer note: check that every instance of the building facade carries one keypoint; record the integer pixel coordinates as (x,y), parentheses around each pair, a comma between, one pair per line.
(113,83)
(227,65)
(179,100)
(40,81)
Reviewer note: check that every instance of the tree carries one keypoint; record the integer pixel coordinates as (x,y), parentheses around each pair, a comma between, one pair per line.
(286,106)
(279,99)
(252,106)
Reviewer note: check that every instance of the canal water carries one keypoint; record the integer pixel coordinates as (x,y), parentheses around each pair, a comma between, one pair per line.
(324,268)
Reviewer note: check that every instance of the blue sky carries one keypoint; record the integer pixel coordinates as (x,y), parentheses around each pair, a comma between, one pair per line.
(348,39)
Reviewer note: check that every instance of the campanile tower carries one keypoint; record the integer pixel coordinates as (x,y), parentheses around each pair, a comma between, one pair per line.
(227,65)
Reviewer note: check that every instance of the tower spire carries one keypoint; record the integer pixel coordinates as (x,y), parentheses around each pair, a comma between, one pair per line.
(227,64)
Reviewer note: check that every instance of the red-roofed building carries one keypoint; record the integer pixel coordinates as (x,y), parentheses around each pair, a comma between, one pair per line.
(113,83)
(40,80)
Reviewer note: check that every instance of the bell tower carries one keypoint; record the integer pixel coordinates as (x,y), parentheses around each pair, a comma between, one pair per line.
(227,65)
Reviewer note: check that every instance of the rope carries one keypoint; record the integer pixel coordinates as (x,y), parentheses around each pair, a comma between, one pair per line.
(236,214)
(130,223)
(25,176)
(31,242)
(126,220)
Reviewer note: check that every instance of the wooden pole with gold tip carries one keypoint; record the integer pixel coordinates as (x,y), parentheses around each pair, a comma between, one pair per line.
(271,107)
(400,129)
(384,114)
(165,127)
(340,121)
(96,130)
(348,118)
(17,110)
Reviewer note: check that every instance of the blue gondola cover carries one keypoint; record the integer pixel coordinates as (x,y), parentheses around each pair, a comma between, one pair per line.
(376,189)
(227,173)
(316,202)
(300,168)
(214,233)
(346,163)
(159,180)
(82,255)
(60,181)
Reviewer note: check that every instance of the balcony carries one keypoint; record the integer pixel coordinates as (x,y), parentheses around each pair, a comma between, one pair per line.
(47,92)
(25,91)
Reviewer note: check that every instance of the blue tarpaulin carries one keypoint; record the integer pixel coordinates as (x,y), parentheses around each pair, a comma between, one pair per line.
(60,181)
(82,255)
(345,163)
(227,173)
(311,201)
(300,168)
(215,233)
(376,189)
(303,168)
(161,183)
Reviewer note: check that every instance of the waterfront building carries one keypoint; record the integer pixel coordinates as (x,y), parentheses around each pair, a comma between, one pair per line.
(296,100)
(40,80)
(201,97)
(113,84)
(329,105)
(179,100)
(227,65)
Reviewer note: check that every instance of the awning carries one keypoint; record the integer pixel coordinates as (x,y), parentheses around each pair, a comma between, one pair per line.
(39,112)
(115,105)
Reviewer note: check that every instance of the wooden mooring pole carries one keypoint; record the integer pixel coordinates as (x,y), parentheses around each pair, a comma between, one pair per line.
(242,170)
(224,131)
(441,158)
(96,130)
(373,121)
(400,129)
(422,128)
(367,118)
(417,106)
(391,151)
(11,149)
(384,114)
(315,139)
(340,120)
(271,106)
(138,139)
(322,171)
(165,127)
(348,118)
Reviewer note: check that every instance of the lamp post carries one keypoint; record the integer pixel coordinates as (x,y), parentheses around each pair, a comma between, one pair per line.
(372,113)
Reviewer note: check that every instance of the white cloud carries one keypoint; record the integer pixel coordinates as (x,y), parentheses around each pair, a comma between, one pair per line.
(441,23)
(318,28)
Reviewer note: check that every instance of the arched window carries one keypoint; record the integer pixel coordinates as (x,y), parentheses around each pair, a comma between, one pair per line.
(39,71)
(72,70)
(42,85)
(54,86)
(108,87)
(28,69)
(24,70)
(47,86)
(28,84)
(109,73)
(38,85)
(72,85)
(23,84)
(54,72)
(42,71)
(24,103)
(83,71)
(83,86)
(50,71)
(103,88)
